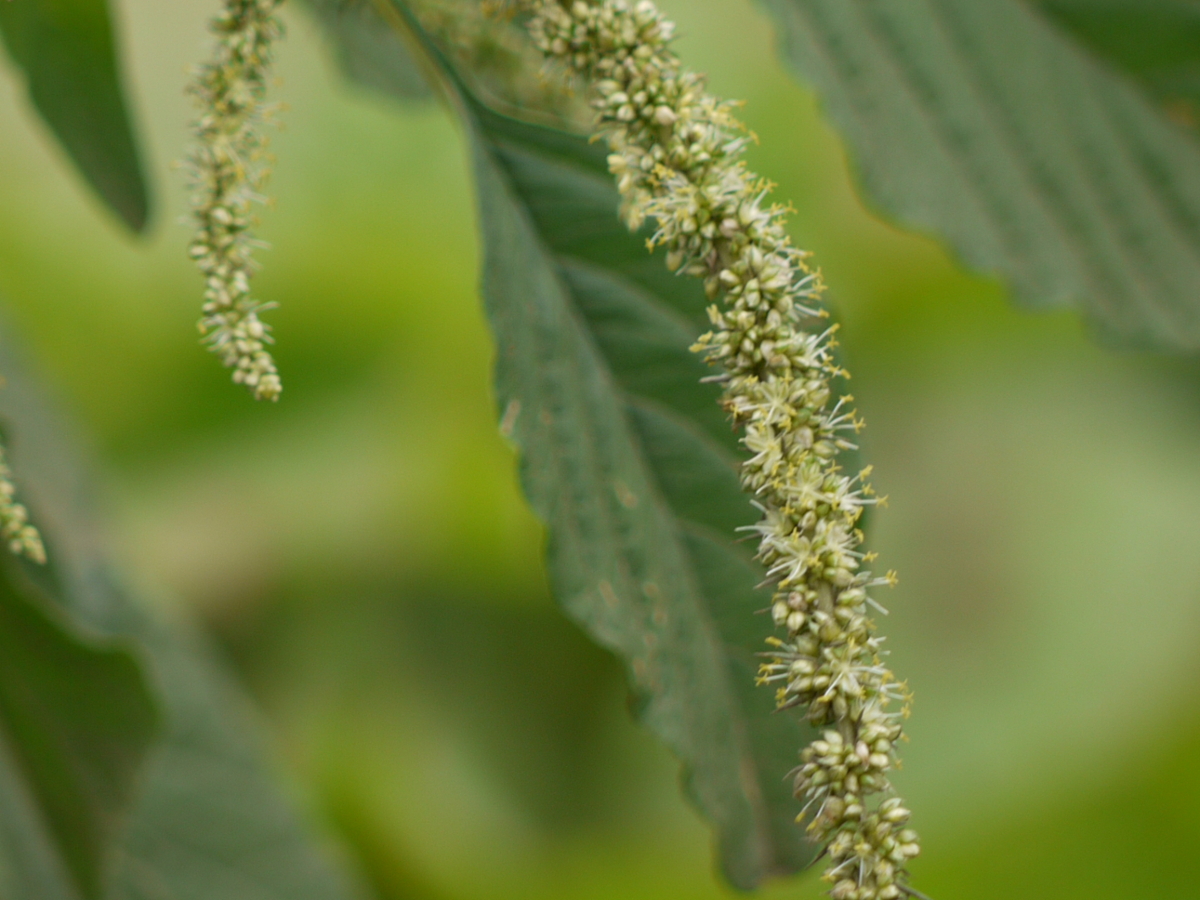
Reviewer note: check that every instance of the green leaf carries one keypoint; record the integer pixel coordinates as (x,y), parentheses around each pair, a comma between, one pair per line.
(213,821)
(368,49)
(1156,41)
(629,461)
(76,722)
(210,821)
(66,50)
(987,125)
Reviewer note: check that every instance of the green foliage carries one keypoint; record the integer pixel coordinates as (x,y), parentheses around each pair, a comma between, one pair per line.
(1041,144)
(76,721)
(987,125)
(65,49)
(1156,41)
(207,819)
(212,821)
(368,50)
(628,460)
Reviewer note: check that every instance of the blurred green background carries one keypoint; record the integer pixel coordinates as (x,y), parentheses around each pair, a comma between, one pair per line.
(363,554)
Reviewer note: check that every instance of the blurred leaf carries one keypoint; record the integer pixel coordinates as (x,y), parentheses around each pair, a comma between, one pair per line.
(629,461)
(76,721)
(66,50)
(1156,41)
(369,50)
(210,821)
(213,821)
(983,123)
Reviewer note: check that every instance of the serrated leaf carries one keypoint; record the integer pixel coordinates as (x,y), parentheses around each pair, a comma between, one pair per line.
(210,821)
(66,51)
(629,461)
(76,722)
(987,125)
(368,49)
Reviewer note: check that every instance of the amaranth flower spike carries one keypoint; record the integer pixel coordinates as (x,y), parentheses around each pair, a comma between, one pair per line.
(228,166)
(675,151)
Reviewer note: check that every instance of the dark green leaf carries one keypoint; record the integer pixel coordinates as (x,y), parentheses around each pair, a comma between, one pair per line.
(76,722)
(985,124)
(65,49)
(368,49)
(629,461)
(210,821)
(1156,41)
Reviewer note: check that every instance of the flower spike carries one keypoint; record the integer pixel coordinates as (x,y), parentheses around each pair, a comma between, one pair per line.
(22,538)
(228,166)
(675,150)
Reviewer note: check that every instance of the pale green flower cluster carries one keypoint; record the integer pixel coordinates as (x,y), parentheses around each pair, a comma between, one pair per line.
(675,152)
(228,166)
(22,537)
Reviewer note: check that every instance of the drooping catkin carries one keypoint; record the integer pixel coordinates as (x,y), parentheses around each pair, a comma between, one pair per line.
(675,151)
(228,166)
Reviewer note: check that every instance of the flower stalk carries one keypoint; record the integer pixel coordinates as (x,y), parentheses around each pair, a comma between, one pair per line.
(675,151)
(228,166)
